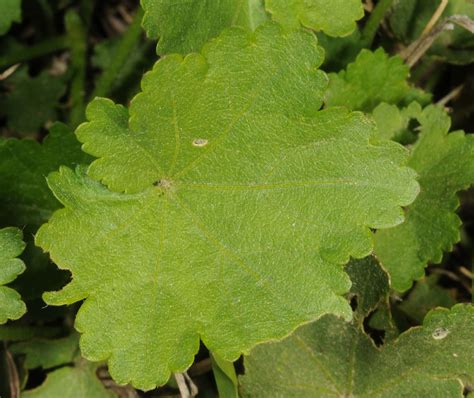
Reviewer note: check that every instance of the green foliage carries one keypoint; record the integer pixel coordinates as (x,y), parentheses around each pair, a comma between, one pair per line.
(39,95)
(69,381)
(335,18)
(11,12)
(11,246)
(331,358)
(372,78)
(445,165)
(48,354)
(288,182)
(24,165)
(208,171)
(456,45)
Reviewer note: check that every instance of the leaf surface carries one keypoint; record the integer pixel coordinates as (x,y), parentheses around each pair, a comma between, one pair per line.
(48,353)
(372,78)
(79,381)
(184,26)
(31,102)
(335,17)
(331,358)
(11,12)
(230,205)
(11,246)
(445,165)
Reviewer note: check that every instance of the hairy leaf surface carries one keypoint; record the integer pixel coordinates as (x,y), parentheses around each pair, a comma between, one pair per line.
(445,164)
(183,26)
(372,78)
(229,205)
(335,17)
(11,246)
(331,358)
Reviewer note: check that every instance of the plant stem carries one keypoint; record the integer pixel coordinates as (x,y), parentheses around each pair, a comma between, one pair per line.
(376,17)
(126,45)
(37,50)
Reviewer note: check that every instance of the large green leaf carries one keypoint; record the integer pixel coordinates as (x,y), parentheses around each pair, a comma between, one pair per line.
(372,78)
(184,26)
(231,204)
(10,12)
(335,17)
(11,246)
(445,165)
(331,358)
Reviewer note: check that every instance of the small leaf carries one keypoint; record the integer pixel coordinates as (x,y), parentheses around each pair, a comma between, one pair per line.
(445,164)
(31,101)
(373,78)
(335,17)
(184,26)
(231,140)
(48,353)
(225,376)
(24,164)
(77,381)
(426,295)
(331,358)
(370,285)
(10,12)
(11,246)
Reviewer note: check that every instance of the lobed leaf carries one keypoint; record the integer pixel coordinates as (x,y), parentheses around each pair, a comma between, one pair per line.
(445,165)
(331,358)
(228,206)
(11,246)
(372,78)
(335,17)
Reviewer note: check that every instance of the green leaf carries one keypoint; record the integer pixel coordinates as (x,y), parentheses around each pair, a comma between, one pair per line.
(183,26)
(48,353)
(31,101)
(11,12)
(71,382)
(335,17)
(456,45)
(11,246)
(225,376)
(369,284)
(393,122)
(331,358)
(24,164)
(27,202)
(221,177)
(372,78)
(445,165)
(426,295)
